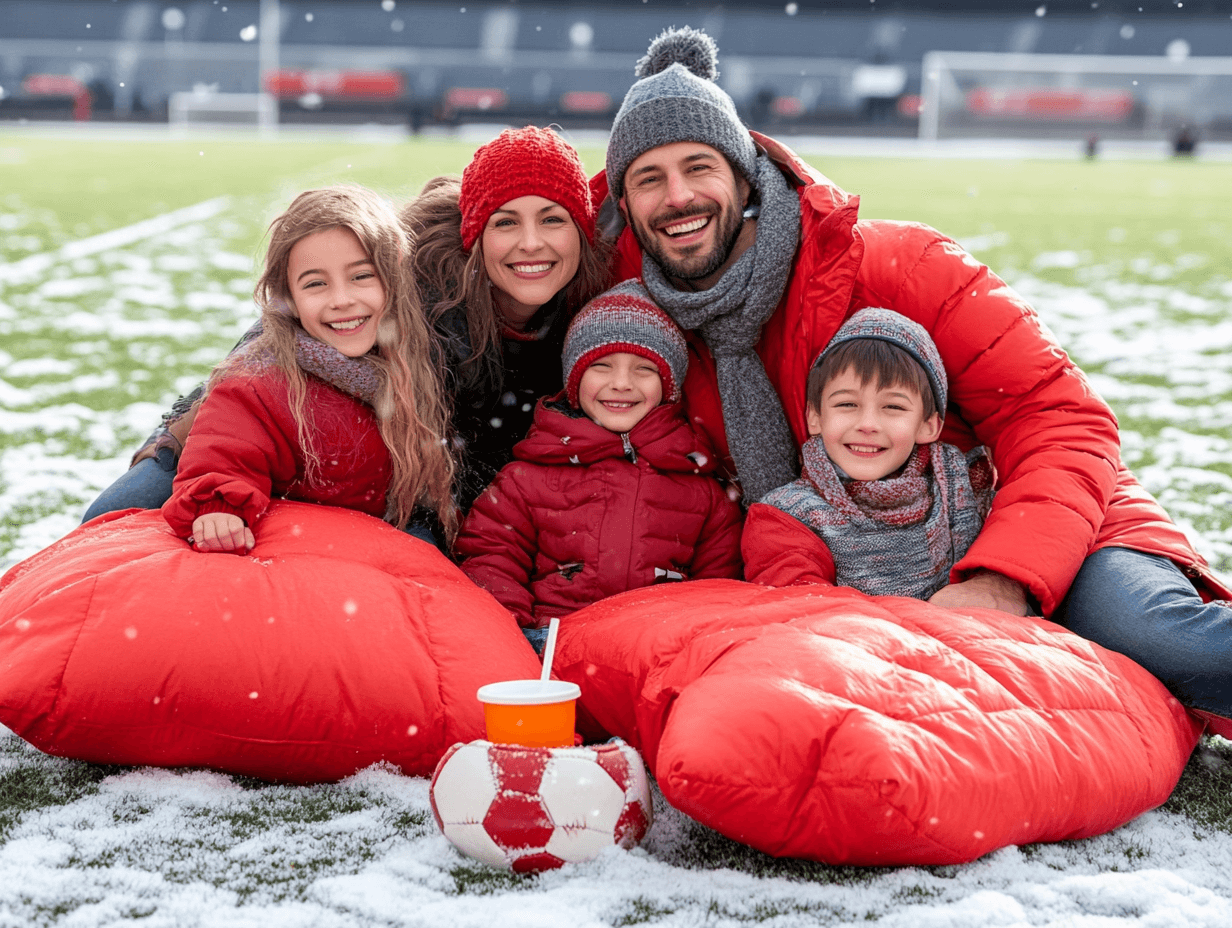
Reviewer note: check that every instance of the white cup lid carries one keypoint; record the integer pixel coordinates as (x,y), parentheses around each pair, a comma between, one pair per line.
(528,692)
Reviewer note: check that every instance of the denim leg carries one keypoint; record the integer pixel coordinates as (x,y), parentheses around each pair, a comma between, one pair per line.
(538,638)
(425,529)
(1143,606)
(145,485)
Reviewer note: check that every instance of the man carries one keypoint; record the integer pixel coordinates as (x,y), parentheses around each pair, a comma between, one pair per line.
(761,259)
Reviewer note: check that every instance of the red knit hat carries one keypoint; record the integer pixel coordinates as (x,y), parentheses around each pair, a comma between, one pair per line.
(520,163)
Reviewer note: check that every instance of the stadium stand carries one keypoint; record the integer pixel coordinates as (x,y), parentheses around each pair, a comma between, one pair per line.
(845,67)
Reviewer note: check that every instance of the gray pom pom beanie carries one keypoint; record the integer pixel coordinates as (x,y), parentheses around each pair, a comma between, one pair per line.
(677,100)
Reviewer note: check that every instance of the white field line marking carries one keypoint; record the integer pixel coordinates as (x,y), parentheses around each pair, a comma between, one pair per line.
(31,266)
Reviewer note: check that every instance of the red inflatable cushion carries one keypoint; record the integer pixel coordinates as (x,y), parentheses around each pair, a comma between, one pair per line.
(338,642)
(829,725)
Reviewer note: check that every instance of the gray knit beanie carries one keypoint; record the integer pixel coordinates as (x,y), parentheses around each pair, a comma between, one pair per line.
(625,318)
(677,100)
(888,326)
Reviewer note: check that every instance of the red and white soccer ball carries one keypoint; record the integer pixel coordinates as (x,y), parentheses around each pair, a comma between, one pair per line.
(532,809)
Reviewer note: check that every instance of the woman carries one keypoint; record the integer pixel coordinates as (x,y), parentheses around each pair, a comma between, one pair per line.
(503,259)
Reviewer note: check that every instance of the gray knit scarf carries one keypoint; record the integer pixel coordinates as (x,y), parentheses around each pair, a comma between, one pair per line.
(354,376)
(898,536)
(729,317)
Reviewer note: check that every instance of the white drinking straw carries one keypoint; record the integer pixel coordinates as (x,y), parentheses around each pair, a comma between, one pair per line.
(549,650)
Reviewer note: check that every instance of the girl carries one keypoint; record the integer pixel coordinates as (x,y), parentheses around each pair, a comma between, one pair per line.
(335,278)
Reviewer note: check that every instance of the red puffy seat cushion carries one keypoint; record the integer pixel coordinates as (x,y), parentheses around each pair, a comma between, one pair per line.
(338,642)
(829,725)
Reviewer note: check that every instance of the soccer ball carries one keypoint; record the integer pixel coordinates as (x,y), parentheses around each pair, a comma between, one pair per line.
(532,809)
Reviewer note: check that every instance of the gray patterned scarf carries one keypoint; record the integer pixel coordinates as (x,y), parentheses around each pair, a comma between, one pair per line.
(729,317)
(900,535)
(355,376)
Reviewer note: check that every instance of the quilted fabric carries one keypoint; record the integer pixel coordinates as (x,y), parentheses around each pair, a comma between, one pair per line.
(573,519)
(828,725)
(337,643)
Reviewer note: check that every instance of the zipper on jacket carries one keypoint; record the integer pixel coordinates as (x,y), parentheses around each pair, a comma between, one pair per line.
(630,451)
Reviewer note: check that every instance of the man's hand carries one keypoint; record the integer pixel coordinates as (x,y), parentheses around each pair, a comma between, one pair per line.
(986,590)
(222,531)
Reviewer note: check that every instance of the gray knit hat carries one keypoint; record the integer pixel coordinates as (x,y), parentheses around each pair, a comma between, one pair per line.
(677,100)
(888,326)
(625,318)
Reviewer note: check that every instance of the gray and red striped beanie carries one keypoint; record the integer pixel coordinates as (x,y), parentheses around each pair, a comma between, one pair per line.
(625,318)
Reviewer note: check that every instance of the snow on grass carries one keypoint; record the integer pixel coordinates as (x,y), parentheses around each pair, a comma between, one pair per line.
(105,846)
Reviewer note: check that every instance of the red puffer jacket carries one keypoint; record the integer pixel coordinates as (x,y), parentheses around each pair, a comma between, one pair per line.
(244,449)
(573,520)
(1062,489)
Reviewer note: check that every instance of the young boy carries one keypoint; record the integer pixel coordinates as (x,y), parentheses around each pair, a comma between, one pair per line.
(882,505)
(610,490)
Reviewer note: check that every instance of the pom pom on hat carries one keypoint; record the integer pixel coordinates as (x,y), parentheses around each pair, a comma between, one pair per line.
(625,318)
(519,163)
(687,46)
(677,100)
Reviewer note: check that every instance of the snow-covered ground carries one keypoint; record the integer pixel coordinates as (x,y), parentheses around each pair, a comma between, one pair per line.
(158,848)
(163,848)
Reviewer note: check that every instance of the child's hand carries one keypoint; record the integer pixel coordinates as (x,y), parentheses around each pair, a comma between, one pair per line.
(222,531)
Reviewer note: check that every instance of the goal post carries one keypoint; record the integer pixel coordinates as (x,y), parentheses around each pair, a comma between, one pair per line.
(992,94)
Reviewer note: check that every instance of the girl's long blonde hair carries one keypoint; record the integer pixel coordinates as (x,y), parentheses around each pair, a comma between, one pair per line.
(448,277)
(410,408)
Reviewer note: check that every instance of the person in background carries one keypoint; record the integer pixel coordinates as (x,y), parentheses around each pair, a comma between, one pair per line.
(611,490)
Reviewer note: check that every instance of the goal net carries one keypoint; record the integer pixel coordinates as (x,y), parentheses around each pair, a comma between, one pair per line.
(986,94)
(195,109)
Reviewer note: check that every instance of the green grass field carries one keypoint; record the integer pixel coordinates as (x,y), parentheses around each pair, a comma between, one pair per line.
(1129,262)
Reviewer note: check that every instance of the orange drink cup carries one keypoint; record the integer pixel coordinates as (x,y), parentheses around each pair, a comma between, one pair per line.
(532,713)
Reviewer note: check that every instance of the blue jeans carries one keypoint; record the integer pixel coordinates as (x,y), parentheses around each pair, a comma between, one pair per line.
(538,638)
(1144,607)
(145,485)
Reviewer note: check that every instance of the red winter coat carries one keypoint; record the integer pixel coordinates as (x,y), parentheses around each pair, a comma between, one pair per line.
(244,449)
(573,520)
(1062,489)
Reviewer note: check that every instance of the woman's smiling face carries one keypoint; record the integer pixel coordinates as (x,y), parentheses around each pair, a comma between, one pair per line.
(531,250)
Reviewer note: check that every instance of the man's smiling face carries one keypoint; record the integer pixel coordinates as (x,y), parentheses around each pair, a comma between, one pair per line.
(686,207)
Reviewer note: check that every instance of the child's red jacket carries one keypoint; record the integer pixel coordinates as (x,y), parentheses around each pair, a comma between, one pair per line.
(574,519)
(244,448)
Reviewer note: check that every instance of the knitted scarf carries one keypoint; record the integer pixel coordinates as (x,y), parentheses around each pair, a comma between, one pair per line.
(354,376)
(729,317)
(898,536)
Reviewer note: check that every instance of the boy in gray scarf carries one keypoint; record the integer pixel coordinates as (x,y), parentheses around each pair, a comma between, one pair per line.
(882,506)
